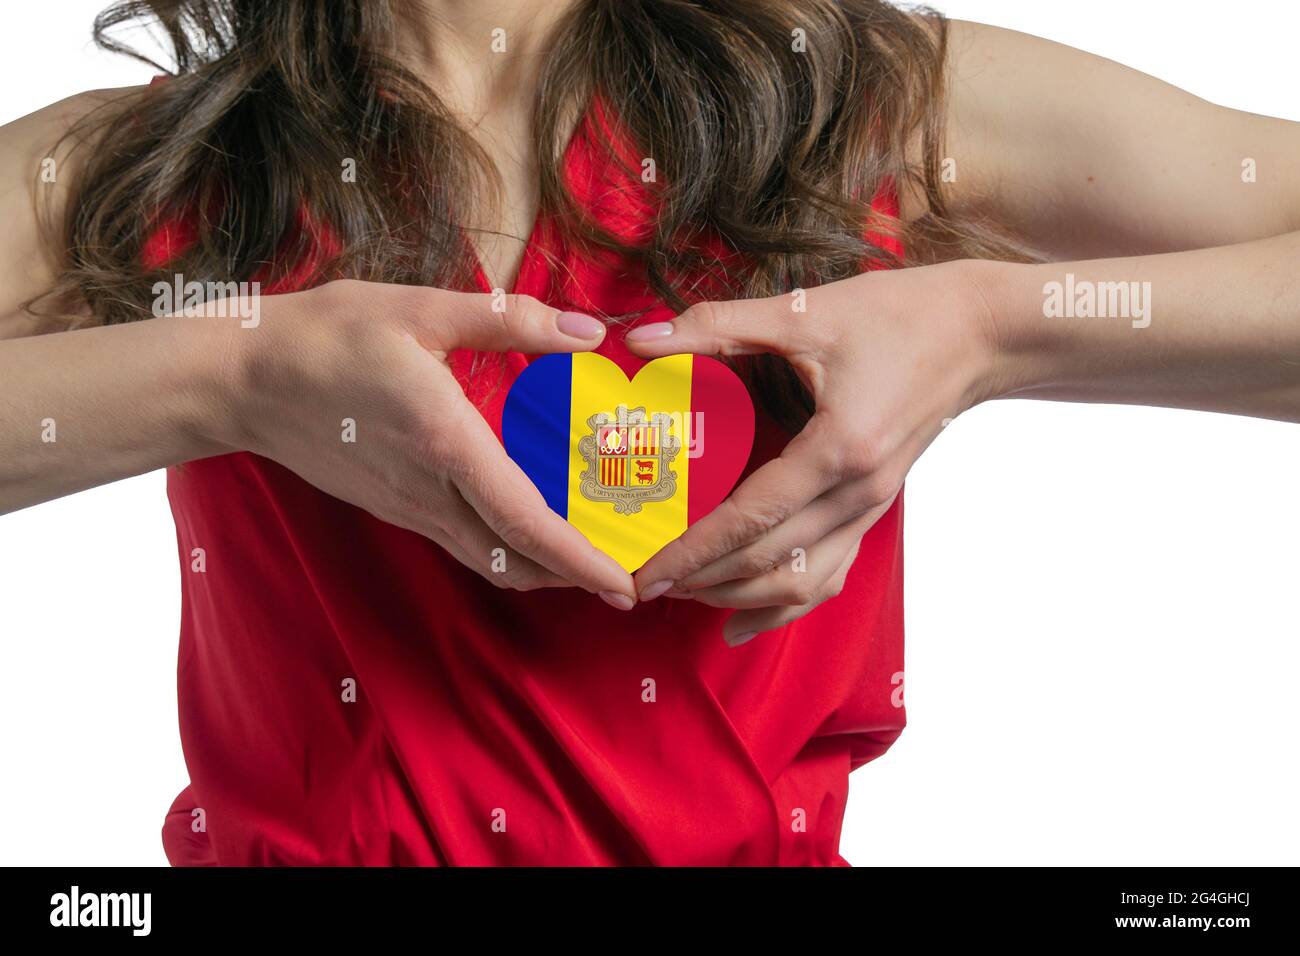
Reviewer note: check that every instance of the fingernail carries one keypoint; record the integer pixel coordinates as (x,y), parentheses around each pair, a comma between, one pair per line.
(648,333)
(579,326)
(735,640)
(656,589)
(617,599)
(681,595)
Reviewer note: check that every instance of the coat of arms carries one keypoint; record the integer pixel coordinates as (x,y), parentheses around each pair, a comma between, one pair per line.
(628,456)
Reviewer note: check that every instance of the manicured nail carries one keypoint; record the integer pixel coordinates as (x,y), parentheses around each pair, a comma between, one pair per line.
(735,640)
(656,589)
(617,599)
(579,326)
(651,332)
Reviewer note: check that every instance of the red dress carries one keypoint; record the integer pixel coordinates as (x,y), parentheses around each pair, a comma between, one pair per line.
(498,727)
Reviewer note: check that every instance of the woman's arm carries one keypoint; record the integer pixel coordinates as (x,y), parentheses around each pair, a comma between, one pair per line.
(1219,329)
(891,358)
(88,407)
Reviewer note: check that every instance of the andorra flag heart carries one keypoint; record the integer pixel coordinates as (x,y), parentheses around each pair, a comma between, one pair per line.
(631,464)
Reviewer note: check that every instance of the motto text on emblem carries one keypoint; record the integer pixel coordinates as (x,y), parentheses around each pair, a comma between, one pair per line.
(628,456)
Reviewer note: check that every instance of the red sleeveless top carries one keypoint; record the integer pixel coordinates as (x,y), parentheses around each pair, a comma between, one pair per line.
(498,727)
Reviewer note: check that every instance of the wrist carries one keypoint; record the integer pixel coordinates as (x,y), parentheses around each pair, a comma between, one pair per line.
(1008,301)
(222,355)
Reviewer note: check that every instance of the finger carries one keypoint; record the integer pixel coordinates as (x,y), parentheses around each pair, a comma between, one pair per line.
(514,509)
(736,327)
(506,323)
(793,584)
(475,545)
(744,626)
(848,504)
(778,489)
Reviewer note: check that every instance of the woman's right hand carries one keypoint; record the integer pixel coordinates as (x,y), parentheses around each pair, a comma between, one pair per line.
(422,458)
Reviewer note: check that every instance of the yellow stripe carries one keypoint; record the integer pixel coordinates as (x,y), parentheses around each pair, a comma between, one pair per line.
(599,386)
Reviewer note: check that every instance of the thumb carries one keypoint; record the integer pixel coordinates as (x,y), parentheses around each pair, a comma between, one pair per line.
(735,327)
(510,323)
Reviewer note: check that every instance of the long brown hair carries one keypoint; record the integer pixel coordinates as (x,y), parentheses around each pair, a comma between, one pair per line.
(771,140)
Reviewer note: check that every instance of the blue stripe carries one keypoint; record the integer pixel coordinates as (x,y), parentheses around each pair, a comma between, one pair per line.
(535,426)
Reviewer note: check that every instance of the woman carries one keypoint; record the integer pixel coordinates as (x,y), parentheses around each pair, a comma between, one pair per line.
(391,651)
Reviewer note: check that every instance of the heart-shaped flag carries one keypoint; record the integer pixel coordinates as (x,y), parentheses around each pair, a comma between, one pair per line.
(630,464)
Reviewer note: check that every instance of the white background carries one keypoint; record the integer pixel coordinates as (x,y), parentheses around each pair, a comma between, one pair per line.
(1102,602)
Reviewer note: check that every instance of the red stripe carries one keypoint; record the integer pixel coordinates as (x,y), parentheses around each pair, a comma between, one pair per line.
(728,437)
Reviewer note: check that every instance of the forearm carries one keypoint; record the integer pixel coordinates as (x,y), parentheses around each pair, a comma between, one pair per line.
(83,408)
(1212,329)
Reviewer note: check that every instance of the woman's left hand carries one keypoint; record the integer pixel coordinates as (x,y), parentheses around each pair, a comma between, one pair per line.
(889,357)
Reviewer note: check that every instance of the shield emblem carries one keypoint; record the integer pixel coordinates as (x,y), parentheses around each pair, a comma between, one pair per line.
(628,456)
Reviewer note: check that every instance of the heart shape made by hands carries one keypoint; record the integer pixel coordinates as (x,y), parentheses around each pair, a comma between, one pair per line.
(630,464)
